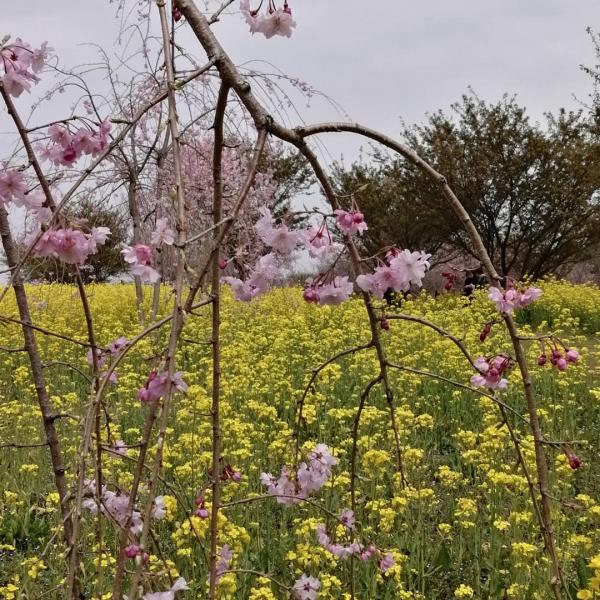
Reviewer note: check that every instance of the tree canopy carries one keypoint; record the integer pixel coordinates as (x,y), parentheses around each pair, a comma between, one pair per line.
(532,189)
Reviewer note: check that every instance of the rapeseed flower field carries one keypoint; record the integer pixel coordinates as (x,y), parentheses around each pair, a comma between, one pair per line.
(462,526)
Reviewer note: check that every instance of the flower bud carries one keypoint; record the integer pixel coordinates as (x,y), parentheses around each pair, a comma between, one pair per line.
(131,551)
(542,359)
(385,324)
(572,356)
(223,263)
(202,513)
(561,364)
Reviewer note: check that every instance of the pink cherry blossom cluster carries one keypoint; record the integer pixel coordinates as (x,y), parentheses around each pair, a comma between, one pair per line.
(278,236)
(306,588)
(318,241)
(157,385)
(401,270)
(329,290)
(139,258)
(114,506)
(72,246)
(513,299)
(13,188)
(491,371)
(162,233)
(385,561)
(21,63)
(291,488)
(66,147)
(258,282)
(559,359)
(276,21)
(350,222)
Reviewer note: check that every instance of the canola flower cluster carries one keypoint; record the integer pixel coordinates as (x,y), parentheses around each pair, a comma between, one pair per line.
(461,527)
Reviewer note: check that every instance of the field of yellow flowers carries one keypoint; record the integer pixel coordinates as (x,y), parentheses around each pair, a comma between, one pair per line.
(463,527)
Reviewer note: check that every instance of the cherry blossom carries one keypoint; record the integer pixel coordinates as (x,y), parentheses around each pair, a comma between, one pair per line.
(350,222)
(20,64)
(333,293)
(224,560)
(69,245)
(65,147)
(12,186)
(279,237)
(140,259)
(512,299)
(490,372)
(318,241)
(260,280)
(179,585)
(311,476)
(306,588)
(157,385)
(162,234)
(403,269)
(277,21)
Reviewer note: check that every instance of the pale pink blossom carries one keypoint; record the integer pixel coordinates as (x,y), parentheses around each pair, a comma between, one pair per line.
(386,562)
(162,234)
(259,281)
(277,22)
(140,259)
(318,242)
(12,185)
(179,585)
(279,237)
(404,269)
(332,293)
(306,588)
(69,245)
(224,560)
(512,299)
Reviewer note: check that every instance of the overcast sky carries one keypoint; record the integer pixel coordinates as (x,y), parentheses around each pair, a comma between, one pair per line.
(384,60)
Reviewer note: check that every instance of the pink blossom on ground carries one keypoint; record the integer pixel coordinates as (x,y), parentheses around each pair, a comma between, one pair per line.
(162,234)
(306,588)
(350,222)
(179,585)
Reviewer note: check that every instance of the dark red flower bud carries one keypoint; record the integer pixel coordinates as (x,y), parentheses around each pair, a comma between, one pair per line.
(385,324)
(223,263)
(542,359)
(176,14)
